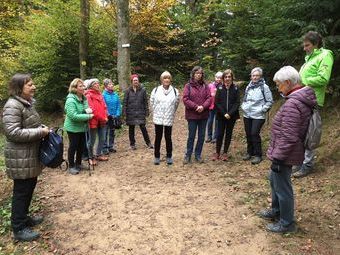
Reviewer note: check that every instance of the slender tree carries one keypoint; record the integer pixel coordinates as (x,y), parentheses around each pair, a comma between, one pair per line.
(84,37)
(123,43)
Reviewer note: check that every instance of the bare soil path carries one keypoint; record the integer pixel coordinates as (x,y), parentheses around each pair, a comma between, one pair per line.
(130,206)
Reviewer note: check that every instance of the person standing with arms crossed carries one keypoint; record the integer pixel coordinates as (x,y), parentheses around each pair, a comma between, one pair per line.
(315,73)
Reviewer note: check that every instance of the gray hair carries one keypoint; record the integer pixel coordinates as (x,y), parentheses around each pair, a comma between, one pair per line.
(107,82)
(287,73)
(218,74)
(257,69)
(165,74)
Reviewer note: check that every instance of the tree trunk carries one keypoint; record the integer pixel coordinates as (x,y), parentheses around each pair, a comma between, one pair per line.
(84,37)
(123,44)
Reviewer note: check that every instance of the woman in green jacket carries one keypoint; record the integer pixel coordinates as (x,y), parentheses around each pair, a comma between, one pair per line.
(77,114)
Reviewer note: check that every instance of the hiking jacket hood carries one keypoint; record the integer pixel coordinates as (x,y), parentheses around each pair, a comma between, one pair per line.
(76,119)
(316,72)
(290,125)
(23,131)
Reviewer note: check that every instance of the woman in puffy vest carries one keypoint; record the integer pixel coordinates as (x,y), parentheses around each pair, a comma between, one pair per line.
(164,101)
(23,130)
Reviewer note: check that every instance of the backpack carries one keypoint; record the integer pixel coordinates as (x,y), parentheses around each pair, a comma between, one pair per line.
(51,149)
(313,134)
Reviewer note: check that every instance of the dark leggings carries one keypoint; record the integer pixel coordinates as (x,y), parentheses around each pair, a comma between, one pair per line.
(132,134)
(22,196)
(253,129)
(76,146)
(158,140)
(227,127)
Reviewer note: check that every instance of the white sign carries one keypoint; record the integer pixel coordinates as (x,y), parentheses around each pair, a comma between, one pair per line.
(126,45)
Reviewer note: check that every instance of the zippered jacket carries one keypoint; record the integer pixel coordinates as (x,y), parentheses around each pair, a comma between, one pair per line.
(164,104)
(227,101)
(316,72)
(98,106)
(112,103)
(76,118)
(135,106)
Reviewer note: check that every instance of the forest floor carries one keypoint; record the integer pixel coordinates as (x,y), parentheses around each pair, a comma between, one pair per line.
(130,206)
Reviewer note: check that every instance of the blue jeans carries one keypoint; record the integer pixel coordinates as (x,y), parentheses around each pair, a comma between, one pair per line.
(282,194)
(210,125)
(194,125)
(109,138)
(100,131)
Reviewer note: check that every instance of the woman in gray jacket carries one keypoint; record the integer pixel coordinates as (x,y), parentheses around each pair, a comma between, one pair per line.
(256,102)
(23,130)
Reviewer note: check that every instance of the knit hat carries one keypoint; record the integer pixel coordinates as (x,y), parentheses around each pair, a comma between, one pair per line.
(134,76)
(91,82)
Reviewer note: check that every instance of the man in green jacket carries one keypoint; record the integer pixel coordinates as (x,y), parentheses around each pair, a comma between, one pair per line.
(315,73)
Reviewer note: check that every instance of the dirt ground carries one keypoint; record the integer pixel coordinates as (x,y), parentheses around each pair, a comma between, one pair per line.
(130,206)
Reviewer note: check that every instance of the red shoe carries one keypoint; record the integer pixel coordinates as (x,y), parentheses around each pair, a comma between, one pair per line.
(215,157)
(102,158)
(224,157)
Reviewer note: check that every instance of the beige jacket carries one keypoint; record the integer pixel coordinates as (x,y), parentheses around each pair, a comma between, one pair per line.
(22,127)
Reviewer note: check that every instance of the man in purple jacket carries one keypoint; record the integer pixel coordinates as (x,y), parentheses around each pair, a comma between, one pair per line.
(286,147)
(196,99)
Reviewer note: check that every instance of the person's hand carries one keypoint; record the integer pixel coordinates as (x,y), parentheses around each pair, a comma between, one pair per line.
(227,116)
(91,115)
(45,131)
(199,108)
(88,110)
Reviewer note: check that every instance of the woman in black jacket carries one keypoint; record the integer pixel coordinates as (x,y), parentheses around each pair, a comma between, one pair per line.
(227,103)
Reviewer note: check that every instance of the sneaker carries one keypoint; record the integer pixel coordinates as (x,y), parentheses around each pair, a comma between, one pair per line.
(156,161)
(169,161)
(199,160)
(279,228)
(208,140)
(112,150)
(268,214)
(215,157)
(102,158)
(256,160)
(133,147)
(34,220)
(106,152)
(26,235)
(80,167)
(247,156)
(304,171)
(186,160)
(73,170)
(150,146)
(224,157)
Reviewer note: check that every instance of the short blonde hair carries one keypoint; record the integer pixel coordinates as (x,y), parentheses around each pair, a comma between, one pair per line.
(74,84)
(164,75)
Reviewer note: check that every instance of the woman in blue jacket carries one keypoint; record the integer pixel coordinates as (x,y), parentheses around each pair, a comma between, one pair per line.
(112,101)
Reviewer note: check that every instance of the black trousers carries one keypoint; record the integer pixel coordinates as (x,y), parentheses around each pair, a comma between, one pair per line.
(158,139)
(252,128)
(76,147)
(22,196)
(224,127)
(132,134)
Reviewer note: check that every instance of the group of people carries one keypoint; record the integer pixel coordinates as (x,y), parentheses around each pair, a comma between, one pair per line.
(91,113)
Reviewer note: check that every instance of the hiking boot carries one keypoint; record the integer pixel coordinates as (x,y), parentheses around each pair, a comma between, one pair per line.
(215,157)
(150,146)
(106,152)
(102,158)
(279,228)
(112,150)
(186,160)
(34,220)
(213,140)
(73,170)
(224,157)
(208,140)
(247,156)
(80,167)
(199,160)
(133,147)
(26,235)
(256,160)
(304,171)
(268,214)
(156,161)
(169,161)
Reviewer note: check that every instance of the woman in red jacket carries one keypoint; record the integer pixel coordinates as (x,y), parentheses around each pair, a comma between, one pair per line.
(98,122)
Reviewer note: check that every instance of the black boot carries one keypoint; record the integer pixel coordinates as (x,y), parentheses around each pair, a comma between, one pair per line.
(26,235)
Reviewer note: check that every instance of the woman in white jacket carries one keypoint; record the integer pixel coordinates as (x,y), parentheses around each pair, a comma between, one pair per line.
(164,101)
